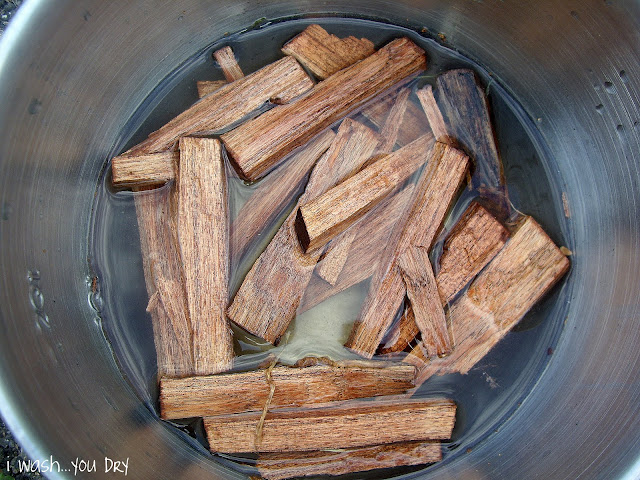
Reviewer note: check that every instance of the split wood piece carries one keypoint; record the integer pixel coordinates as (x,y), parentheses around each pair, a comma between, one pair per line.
(279,466)
(412,125)
(270,294)
(434,116)
(228,63)
(333,260)
(475,239)
(465,109)
(205,87)
(275,192)
(353,423)
(203,235)
(367,247)
(292,387)
(401,333)
(162,267)
(283,80)
(524,270)
(324,217)
(324,54)
(426,305)
(434,194)
(144,170)
(260,144)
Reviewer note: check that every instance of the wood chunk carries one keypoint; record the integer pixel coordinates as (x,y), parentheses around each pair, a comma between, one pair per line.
(270,294)
(279,466)
(524,270)
(259,144)
(470,246)
(203,234)
(205,87)
(476,238)
(401,333)
(352,423)
(324,54)
(391,128)
(412,125)
(228,63)
(324,217)
(284,80)
(144,170)
(162,267)
(332,263)
(426,305)
(275,192)
(434,116)
(294,387)
(435,192)
(366,249)
(465,110)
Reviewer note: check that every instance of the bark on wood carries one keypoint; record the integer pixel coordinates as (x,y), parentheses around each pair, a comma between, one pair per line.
(275,192)
(164,280)
(524,270)
(435,192)
(144,170)
(294,387)
(279,466)
(258,145)
(366,250)
(203,234)
(434,116)
(324,54)
(205,87)
(270,293)
(412,125)
(283,80)
(465,110)
(470,246)
(322,218)
(227,61)
(426,305)
(346,424)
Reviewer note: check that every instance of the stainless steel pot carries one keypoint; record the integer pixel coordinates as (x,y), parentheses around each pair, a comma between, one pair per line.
(72,73)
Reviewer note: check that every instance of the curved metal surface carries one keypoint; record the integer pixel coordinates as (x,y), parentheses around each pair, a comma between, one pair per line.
(72,73)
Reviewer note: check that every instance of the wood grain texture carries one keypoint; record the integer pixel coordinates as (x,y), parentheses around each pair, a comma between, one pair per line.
(332,263)
(203,235)
(324,54)
(322,218)
(353,423)
(524,270)
(294,387)
(434,116)
(436,189)
(413,124)
(475,239)
(258,145)
(144,170)
(278,466)
(228,63)
(401,333)
(275,192)
(465,109)
(390,130)
(163,275)
(270,294)
(283,80)
(422,292)
(367,248)
(205,87)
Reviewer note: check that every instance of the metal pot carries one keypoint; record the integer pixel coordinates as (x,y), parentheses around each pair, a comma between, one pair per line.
(73,73)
